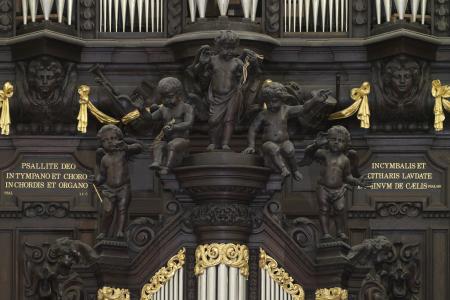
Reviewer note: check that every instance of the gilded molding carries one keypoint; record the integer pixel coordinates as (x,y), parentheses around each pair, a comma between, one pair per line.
(163,275)
(232,255)
(331,294)
(108,293)
(280,276)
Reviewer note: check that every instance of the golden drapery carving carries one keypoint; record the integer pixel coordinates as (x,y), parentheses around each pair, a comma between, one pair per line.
(280,276)
(331,294)
(361,105)
(440,93)
(86,104)
(163,275)
(108,293)
(231,255)
(5,118)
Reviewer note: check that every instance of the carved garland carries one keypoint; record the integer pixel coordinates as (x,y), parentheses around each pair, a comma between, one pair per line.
(331,294)
(232,255)
(108,293)
(280,276)
(163,275)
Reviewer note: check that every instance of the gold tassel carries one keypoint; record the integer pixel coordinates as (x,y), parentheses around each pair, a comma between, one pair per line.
(86,104)
(82,118)
(361,105)
(440,92)
(5,118)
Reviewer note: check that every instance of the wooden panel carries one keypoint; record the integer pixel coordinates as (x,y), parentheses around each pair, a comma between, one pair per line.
(440,265)
(6,265)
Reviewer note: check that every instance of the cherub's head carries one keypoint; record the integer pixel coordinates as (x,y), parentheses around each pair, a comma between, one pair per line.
(226,44)
(170,91)
(273,94)
(110,136)
(338,138)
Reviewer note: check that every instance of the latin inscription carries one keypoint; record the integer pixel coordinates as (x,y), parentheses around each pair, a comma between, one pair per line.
(416,175)
(45,175)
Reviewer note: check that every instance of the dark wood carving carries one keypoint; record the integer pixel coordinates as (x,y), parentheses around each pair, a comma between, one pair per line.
(49,273)
(273,11)
(174,17)
(87,18)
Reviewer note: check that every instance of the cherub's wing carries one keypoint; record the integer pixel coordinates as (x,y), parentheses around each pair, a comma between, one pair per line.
(354,163)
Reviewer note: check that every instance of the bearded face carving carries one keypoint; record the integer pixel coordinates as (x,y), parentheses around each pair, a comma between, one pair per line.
(401,85)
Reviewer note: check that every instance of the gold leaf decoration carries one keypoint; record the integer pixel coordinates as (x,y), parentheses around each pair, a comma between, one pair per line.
(231,255)
(331,294)
(280,276)
(163,275)
(108,293)
(361,105)
(440,93)
(5,118)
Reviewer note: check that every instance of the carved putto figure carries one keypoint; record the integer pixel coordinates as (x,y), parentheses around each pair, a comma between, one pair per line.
(338,170)
(113,178)
(48,269)
(277,149)
(171,145)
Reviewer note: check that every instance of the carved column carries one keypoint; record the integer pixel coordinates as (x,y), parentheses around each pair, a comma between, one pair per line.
(360,17)
(6,18)
(441,17)
(87,18)
(174,17)
(272,17)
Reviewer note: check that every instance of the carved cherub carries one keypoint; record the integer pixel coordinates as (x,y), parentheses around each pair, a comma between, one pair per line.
(112,175)
(171,145)
(225,90)
(338,169)
(278,150)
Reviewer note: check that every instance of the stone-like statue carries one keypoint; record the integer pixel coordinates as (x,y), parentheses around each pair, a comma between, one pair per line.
(171,145)
(48,269)
(46,89)
(402,90)
(225,90)
(338,170)
(277,149)
(112,176)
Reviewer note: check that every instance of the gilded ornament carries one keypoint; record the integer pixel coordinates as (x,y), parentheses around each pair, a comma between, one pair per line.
(108,293)
(231,255)
(5,118)
(331,294)
(361,105)
(280,276)
(163,275)
(440,93)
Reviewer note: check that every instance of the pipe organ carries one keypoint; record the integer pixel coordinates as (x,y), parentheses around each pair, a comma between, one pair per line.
(276,283)
(222,271)
(131,15)
(399,9)
(61,8)
(249,7)
(316,15)
(168,282)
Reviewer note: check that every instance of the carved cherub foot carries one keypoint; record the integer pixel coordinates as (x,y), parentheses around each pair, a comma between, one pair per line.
(211,147)
(226,147)
(298,176)
(327,236)
(155,166)
(342,236)
(101,236)
(164,171)
(119,235)
(285,172)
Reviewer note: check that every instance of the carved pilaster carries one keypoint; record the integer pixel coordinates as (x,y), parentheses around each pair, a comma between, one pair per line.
(174,17)
(360,18)
(87,18)
(441,17)
(272,14)
(6,18)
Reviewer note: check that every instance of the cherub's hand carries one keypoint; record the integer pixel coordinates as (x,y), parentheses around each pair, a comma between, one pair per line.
(168,129)
(121,146)
(321,139)
(320,95)
(91,179)
(365,182)
(249,150)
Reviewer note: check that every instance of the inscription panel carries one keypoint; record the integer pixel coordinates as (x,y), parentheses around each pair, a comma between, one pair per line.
(34,176)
